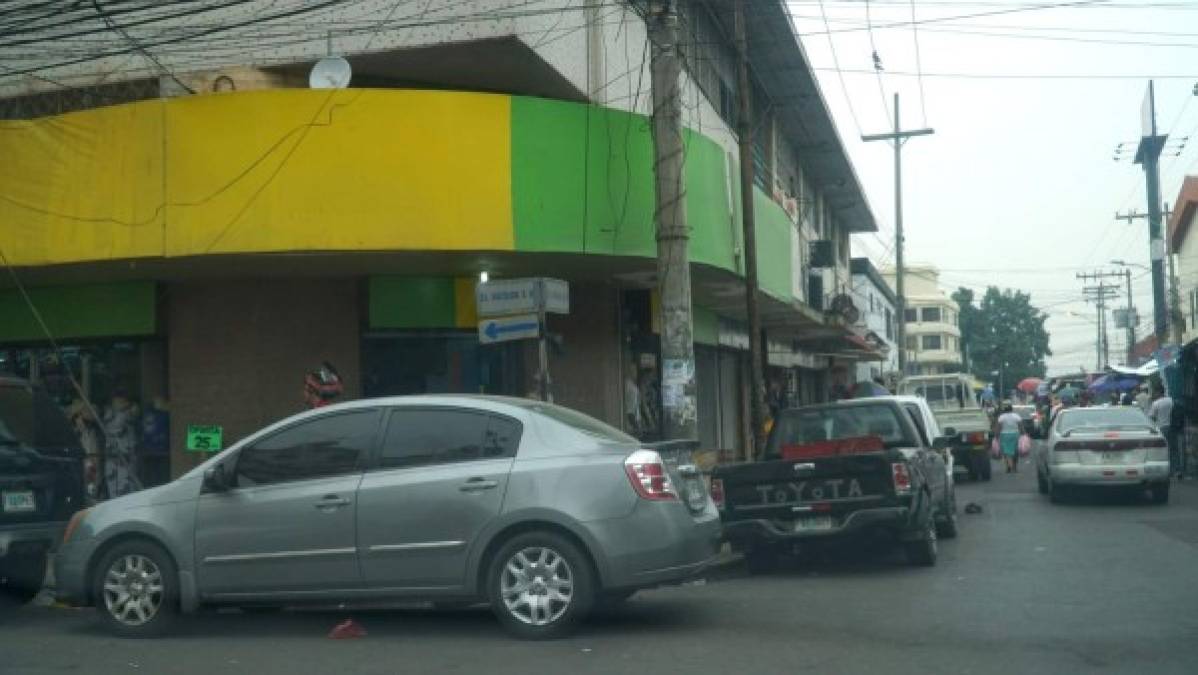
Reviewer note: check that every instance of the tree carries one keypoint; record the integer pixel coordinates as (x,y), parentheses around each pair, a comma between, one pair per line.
(1004,332)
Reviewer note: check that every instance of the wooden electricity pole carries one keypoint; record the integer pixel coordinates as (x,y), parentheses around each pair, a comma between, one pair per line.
(898,138)
(679,409)
(744,133)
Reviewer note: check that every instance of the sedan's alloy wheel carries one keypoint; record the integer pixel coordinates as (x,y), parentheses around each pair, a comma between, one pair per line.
(537,585)
(133,589)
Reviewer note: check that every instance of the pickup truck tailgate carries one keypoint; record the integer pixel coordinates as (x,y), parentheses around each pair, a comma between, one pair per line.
(786,489)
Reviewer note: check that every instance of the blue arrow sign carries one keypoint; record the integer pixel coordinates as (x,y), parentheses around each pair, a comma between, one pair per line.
(509,328)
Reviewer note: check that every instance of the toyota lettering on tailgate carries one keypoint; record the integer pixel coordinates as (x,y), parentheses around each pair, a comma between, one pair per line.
(798,492)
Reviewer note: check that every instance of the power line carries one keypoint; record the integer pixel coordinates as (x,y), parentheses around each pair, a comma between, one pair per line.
(923,105)
(840,73)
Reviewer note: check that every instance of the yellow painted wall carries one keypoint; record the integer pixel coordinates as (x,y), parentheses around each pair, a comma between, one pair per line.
(269,171)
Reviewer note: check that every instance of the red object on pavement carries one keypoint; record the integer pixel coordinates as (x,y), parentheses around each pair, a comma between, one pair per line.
(347,630)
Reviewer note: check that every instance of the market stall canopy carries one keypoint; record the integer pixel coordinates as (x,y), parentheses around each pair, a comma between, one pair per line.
(1145,370)
(1114,382)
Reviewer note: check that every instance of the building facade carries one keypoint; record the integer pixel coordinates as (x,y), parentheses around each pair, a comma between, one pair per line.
(1183,245)
(200,240)
(931,321)
(875,301)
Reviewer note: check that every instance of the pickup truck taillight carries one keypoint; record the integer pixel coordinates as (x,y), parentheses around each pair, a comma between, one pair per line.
(717,492)
(975,437)
(902,478)
(647,473)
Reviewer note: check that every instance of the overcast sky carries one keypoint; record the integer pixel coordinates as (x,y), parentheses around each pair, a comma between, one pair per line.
(1018,187)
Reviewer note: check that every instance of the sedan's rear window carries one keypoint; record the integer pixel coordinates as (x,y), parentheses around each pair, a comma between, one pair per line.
(1086,420)
(582,423)
(801,427)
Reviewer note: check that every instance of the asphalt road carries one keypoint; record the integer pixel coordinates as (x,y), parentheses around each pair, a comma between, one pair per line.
(1101,585)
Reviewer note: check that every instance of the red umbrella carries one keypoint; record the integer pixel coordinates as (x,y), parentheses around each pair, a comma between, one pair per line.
(1028,385)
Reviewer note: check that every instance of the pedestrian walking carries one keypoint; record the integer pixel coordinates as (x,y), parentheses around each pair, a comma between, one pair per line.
(1161,413)
(1007,429)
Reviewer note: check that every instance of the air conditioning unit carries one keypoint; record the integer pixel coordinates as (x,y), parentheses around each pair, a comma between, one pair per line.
(822,254)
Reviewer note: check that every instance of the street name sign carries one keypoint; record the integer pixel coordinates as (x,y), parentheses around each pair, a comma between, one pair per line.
(502,329)
(505,297)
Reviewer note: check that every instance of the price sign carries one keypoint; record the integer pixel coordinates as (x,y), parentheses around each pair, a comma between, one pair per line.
(204,438)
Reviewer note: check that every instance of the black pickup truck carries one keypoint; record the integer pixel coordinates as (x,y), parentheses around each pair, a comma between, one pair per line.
(852,468)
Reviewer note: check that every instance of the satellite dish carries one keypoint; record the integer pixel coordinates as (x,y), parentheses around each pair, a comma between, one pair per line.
(331,72)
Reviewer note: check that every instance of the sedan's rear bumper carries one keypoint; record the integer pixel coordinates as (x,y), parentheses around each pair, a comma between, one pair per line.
(894,520)
(659,544)
(1104,474)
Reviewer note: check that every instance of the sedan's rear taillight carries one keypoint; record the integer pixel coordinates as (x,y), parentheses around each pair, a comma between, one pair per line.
(647,473)
(902,478)
(717,492)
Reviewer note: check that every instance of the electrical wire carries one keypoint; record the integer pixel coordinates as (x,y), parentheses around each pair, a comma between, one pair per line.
(840,73)
(923,98)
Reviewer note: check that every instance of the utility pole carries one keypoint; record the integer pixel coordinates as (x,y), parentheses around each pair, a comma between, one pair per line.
(898,138)
(679,414)
(1148,154)
(1131,319)
(1099,294)
(744,133)
(1175,320)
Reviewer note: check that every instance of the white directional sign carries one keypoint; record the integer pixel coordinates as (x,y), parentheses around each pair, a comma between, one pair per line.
(504,297)
(502,329)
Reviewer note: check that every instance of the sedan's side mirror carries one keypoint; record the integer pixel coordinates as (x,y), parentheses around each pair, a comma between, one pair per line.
(216,479)
(950,431)
(942,443)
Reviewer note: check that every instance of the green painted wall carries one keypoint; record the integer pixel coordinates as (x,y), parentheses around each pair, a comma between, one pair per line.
(592,192)
(411,302)
(563,178)
(77,312)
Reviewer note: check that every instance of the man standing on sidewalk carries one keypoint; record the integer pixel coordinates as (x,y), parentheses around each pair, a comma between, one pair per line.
(1161,412)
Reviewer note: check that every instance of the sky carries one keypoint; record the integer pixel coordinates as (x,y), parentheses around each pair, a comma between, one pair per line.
(1018,187)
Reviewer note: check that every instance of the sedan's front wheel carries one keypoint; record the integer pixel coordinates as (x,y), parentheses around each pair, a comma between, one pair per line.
(540,585)
(136,589)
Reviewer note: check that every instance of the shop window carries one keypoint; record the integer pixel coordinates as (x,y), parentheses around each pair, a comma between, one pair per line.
(930,314)
(931,342)
(332,445)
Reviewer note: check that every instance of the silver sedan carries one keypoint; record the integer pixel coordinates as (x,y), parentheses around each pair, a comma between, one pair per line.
(1106,447)
(538,510)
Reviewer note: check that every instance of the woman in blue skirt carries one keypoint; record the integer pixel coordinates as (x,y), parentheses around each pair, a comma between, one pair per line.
(1008,428)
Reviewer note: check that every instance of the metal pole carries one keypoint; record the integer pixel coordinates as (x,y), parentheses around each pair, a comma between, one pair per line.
(899,267)
(1131,320)
(744,134)
(1152,175)
(679,415)
(543,356)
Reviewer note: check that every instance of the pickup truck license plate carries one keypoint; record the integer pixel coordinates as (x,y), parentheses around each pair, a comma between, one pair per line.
(19,501)
(813,524)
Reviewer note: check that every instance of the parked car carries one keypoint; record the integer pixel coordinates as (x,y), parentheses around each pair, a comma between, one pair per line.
(929,429)
(1105,447)
(960,416)
(41,483)
(851,468)
(539,510)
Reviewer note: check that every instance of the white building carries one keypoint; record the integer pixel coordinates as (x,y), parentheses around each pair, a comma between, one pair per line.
(875,300)
(933,336)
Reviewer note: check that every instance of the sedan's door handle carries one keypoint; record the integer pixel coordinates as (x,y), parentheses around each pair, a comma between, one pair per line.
(329,502)
(478,485)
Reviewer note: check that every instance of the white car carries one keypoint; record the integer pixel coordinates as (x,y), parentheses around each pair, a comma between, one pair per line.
(1108,447)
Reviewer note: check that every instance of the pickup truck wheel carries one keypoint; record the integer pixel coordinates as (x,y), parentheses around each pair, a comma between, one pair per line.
(1160,493)
(21,576)
(1056,493)
(923,552)
(946,522)
(983,468)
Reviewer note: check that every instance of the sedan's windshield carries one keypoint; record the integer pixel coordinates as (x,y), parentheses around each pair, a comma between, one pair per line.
(1093,420)
(816,425)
